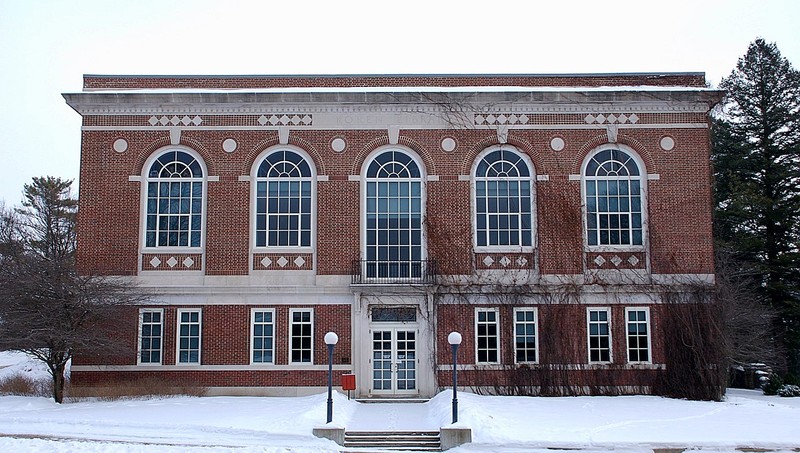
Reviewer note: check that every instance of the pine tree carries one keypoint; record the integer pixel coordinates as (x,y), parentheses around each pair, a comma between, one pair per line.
(756,155)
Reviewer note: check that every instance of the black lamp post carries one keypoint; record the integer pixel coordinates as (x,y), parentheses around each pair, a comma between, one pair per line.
(455,339)
(330,339)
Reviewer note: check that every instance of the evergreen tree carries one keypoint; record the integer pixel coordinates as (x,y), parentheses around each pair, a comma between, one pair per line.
(756,155)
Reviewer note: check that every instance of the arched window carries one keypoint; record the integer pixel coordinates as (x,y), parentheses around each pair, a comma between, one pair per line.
(613,192)
(174,201)
(283,200)
(394,209)
(503,207)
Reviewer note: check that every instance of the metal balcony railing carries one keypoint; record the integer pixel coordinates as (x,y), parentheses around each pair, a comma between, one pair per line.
(372,272)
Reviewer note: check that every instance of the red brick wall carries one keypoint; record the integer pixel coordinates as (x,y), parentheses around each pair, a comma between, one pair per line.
(679,203)
(225,340)
(95,82)
(567,324)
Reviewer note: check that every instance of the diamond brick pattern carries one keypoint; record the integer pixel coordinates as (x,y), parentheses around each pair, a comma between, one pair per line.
(504,261)
(286,120)
(284,261)
(501,119)
(611,118)
(172,262)
(619,260)
(175,120)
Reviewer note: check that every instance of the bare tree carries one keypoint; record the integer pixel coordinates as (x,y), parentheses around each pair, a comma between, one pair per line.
(47,309)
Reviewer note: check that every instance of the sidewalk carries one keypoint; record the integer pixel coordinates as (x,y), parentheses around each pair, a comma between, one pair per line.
(392,417)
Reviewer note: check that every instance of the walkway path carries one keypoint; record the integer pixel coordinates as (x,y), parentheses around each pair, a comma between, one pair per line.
(392,417)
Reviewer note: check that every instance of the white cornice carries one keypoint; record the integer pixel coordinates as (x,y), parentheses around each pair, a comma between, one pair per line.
(270,109)
(540,100)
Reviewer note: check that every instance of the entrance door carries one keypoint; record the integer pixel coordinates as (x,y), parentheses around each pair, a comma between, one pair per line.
(394,361)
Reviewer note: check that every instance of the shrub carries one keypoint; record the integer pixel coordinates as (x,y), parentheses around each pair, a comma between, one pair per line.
(23,385)
(772,386)
(138,388)
(789,390)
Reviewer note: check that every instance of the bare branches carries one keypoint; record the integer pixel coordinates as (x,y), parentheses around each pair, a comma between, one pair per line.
(47,309)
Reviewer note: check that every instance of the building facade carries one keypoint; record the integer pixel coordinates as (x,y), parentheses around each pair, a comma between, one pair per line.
(541,216)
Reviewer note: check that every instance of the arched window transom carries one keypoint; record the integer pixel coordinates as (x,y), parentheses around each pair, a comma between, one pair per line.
(613,190)
(174,201)
(283,201)
(503,208)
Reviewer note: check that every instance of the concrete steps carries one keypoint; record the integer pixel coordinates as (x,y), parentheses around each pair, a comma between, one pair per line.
(394,440)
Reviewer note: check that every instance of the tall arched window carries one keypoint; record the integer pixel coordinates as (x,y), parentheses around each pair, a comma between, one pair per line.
(613,192)
(174,201)
(503,207)
(394,209)
(283,200)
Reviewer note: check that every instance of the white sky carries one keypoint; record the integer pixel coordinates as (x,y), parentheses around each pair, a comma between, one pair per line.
(46,47)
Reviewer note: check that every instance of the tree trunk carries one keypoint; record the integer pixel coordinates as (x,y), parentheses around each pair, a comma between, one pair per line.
(58,383)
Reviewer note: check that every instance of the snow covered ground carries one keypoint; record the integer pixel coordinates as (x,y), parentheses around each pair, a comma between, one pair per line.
(747,419)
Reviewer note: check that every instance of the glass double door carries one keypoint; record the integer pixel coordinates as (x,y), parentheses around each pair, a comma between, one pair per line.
(394,361)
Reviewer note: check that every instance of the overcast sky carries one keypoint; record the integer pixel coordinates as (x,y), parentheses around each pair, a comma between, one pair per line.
(46,47)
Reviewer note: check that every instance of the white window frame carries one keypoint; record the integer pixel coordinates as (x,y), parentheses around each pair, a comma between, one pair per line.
(292,323)
(535,332)
(497,329)
(642,178)
(253,312)
(589,335)
(649,348)
(178,336)
(145,178)
(140,337)
(254,200)
(474,201)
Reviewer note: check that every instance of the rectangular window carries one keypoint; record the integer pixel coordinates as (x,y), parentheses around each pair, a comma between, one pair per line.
(638,328)
(503,212)
(525,332)
(599,329)
(189,336)
(394,229)
(151,329)
(613,208)
(301,330)
(262,339)
(487,335)
(283,213)
(174,213)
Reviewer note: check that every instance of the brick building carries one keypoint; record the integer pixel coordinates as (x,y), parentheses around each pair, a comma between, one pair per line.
(539,215)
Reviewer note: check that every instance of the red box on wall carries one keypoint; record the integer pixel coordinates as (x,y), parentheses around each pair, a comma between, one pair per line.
(348,382)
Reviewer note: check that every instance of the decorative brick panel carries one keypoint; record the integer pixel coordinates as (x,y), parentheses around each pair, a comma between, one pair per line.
(283,261)
(504,261)
(616,260)
(172,261)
